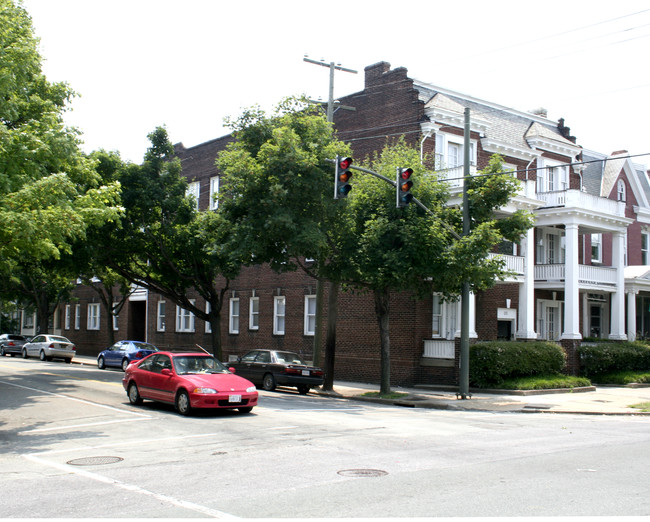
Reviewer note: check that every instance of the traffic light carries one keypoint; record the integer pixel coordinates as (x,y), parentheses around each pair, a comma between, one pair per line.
(342,175)
(404,184)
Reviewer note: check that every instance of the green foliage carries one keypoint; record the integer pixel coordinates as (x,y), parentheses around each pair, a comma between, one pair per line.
(544,382)
(491,363)
(624,378)
(50,189)
(597,360)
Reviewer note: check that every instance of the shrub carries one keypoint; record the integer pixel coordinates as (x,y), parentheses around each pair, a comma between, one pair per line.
(607,357)
(492,363)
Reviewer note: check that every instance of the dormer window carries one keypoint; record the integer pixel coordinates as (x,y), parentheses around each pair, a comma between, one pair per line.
(620,190)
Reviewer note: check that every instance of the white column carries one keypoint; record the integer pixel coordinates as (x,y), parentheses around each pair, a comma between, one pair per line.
(526,320)
(472,316)
(571,288)
(617,330)
(631,315)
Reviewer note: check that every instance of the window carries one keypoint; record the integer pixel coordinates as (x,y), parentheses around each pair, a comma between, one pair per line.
(194,189)
(551,247)
(184,319)
(77,317)
(208,326)
(67,317)
(160,317)
(28,320)
(233,322)
(444,318)
(596,248)
(310,314)
(436,322)
(279,306)
(115,316)
(254,313)
(645,238)
(620,190)
(214,192)
(450,152)
(551,176)
(93,317)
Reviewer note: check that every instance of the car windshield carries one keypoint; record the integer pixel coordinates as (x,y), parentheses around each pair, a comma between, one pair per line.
(187,364)
(289,358)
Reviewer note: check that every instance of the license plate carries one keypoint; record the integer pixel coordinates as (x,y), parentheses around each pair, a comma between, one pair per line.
(234,398)
(305,372)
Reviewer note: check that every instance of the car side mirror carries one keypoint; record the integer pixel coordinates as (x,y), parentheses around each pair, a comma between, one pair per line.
(231,370)
(166,371)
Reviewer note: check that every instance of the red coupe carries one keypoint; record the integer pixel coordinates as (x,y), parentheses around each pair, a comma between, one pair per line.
(188,380)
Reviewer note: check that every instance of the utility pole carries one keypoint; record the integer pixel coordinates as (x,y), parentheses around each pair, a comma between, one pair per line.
(318,331)
(463,391)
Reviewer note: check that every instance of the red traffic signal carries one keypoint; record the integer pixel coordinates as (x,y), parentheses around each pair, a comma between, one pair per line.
(342,176)
(404,185)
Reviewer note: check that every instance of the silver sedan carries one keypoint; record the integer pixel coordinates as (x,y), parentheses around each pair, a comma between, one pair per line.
(48,347)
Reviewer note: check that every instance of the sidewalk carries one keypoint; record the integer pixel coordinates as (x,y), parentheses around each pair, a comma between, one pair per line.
(600,400)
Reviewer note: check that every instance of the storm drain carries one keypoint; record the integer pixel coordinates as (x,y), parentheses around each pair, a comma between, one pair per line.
(360,473)
(94,461)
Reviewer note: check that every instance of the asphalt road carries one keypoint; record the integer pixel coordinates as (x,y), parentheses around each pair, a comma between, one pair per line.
(71,446)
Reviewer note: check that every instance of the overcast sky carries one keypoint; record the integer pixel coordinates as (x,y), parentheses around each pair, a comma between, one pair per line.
(187,64)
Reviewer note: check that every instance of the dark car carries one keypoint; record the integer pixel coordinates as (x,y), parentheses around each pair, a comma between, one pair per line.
(271,368)
(188,381)
(123,353)
(12,344)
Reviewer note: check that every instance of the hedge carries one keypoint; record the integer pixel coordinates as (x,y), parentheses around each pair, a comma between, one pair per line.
(608,357)
(493,362)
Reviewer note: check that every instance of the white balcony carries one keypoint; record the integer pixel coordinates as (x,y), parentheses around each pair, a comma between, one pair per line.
(514,264)
(439,349)
(582,200)
(589,276)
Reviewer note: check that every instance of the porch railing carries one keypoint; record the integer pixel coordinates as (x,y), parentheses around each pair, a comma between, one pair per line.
(578,199)
(587,274)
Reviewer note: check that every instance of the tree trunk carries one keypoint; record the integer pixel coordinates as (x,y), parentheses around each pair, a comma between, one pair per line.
(330,340)
(382,310)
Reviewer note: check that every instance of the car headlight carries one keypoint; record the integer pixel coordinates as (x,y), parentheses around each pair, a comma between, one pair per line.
(205,390)
(251,389)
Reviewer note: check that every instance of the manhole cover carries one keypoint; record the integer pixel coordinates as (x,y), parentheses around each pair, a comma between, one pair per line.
(362,473)
(94,461)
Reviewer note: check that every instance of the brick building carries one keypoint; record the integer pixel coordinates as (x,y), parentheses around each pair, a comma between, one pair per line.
(581,272)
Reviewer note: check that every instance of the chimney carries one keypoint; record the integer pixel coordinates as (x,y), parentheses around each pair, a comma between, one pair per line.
(540,111)
(375,72)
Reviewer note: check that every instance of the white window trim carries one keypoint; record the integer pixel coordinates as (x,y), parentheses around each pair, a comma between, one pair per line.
(254,313)
(194,189)
(443,140)
(67,317)
(277,315)
(116,316)
(208,326)
(160,318)
(645,248)
(597,240)
(620,190)
(233,316)
(215,183)
(184,316)
(94,316)
(308,316)
(77,317)
(560,176)
(448,318)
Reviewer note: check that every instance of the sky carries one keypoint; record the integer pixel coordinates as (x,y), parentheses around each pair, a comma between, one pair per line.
(188,64)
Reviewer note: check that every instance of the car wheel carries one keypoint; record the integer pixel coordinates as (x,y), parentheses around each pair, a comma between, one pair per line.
(183,405)
(125,364)
(41,356)
(303,389)
(68,361)
(2,351)
(245,410)
(134,394)
(25,356)
(268,383)
(101,364)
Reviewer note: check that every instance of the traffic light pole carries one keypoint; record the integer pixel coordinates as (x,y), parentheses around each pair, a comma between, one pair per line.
(463,391)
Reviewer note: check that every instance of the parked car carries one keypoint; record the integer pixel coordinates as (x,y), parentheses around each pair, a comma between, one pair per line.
(11,344)
(48,347)
(123,353)
(271,368)
(188,381)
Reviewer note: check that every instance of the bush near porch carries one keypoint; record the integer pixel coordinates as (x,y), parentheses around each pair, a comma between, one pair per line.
(495,364)
(615,362)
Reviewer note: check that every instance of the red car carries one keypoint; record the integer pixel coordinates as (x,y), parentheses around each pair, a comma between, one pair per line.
(188,381)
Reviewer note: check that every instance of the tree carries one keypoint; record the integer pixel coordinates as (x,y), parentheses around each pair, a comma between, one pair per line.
(389,249)
(163,243)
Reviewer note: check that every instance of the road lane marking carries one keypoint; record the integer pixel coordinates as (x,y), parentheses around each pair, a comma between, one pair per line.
(77,426)
(66,468)
(82,401)
(13,368)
